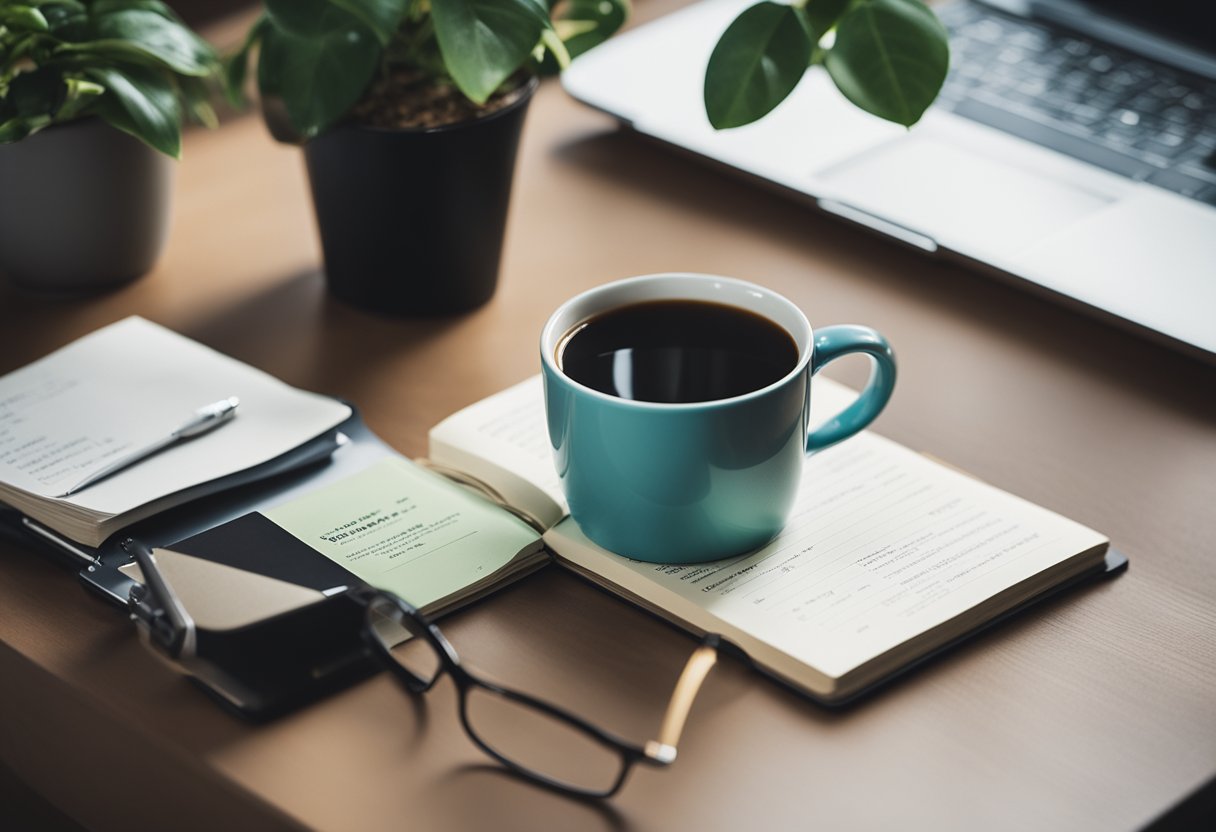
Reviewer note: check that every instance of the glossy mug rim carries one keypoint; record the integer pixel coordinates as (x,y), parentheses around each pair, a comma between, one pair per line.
(607,297)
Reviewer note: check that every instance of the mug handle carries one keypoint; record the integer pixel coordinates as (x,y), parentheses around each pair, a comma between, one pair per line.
(831,343)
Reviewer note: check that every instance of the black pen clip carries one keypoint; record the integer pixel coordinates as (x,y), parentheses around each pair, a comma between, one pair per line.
(156,609)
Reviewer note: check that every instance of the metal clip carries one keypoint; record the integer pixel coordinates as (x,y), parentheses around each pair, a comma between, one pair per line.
(156,609)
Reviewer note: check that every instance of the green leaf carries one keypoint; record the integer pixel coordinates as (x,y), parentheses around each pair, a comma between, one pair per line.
(16,51)
(319,77)
(602,18)
(236,65)
(23,19)
(552,46)
(823,14)
(383,17)
(73,5)
(16,129)
(196,95)
(109,6)
(147,33)
(67,20)
(297,17)
(485,41)
(79,95)
(12,130)
(758,61)
(141,102)
(890,58)
(307,18)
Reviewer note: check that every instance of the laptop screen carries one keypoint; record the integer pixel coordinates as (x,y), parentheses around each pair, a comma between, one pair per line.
(1192,22)
(1189,21)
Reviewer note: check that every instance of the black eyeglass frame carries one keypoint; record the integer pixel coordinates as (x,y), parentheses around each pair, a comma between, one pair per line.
(657,753)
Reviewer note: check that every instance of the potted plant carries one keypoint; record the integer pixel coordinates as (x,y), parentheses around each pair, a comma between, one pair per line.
(92,94)
(410,113)
(889,57)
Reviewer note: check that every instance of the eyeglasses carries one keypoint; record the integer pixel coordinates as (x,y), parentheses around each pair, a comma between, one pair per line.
(534,738)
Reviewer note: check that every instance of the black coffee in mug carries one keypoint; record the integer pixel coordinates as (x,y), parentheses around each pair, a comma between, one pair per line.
(677,351)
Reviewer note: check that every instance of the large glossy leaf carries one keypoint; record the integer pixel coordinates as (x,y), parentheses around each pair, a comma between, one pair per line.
(890,58)
(484,41)
(383,17)
(67,20)
(317,77)
(303,17)
(758,61)
(141,102)
(143,33)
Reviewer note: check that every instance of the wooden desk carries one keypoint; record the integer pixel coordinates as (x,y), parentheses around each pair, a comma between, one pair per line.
(1095,712)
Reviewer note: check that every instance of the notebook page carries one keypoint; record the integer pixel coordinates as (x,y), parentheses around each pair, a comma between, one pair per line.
(127,385)
(503,440)
(401,528)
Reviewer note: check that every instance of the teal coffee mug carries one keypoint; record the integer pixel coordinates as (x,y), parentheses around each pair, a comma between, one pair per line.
(677,408)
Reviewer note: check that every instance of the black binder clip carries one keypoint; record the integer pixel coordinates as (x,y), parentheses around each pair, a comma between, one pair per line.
(162,621)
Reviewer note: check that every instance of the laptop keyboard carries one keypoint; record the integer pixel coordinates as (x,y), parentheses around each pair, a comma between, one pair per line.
(1088,100)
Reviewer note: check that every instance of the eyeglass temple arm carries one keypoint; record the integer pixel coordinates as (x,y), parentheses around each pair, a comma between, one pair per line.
(663,749)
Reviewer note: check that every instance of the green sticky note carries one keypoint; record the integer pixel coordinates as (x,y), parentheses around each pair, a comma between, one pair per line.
(405,529)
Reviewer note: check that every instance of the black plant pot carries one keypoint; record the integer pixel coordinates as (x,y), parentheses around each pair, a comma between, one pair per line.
(83,208)
(412,221)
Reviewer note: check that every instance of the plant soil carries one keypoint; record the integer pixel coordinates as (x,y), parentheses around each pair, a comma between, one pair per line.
(406,98)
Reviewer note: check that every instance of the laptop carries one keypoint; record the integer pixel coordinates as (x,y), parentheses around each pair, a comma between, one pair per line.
(1073,148)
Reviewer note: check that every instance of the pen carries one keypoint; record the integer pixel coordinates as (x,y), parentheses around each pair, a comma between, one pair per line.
(205,419)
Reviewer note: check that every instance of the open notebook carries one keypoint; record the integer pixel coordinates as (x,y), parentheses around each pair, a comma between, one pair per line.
(888,555)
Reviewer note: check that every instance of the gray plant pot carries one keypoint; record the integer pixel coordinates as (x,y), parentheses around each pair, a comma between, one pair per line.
(83,208)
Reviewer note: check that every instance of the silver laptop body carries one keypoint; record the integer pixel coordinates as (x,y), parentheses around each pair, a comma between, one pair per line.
(1101,196)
